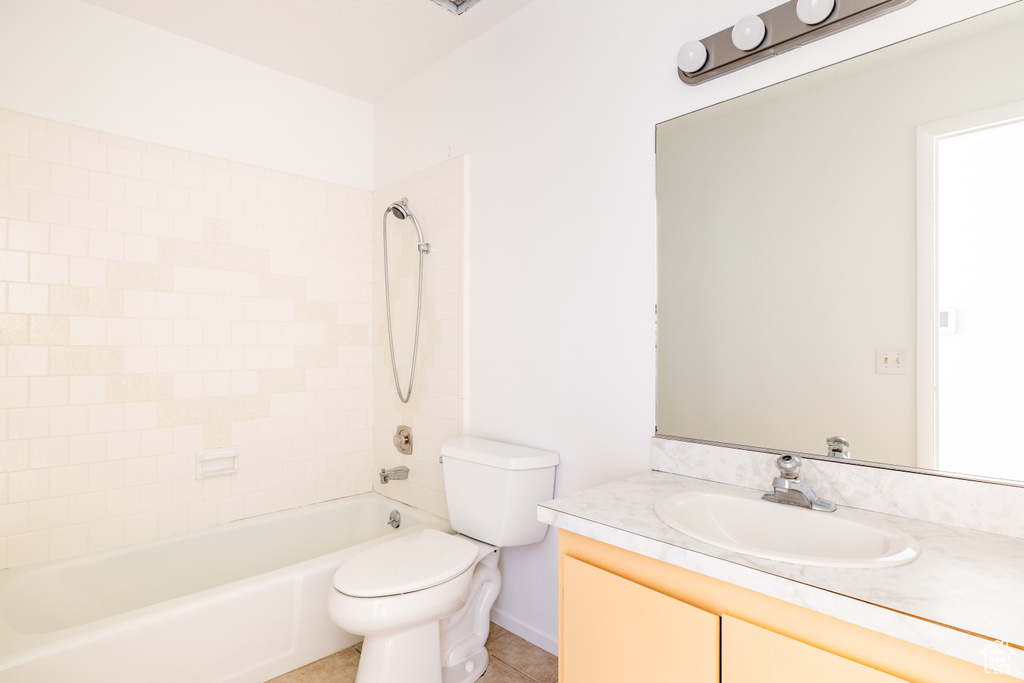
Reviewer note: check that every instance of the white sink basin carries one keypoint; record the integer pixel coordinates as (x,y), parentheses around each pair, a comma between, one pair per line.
(749,525)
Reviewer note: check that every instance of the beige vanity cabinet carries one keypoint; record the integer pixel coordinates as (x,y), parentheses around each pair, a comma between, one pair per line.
(615,630)
(627,617)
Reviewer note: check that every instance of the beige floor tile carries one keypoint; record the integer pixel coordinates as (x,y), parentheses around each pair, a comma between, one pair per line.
(337,668)
(500,672)
(495,632)
(524,657)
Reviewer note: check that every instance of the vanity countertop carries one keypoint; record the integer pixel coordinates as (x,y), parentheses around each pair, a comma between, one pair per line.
(965,591)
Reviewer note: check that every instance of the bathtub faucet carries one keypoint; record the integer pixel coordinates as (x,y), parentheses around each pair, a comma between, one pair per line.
(401,472)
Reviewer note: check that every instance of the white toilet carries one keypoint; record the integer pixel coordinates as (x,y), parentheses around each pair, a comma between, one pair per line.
(422,602)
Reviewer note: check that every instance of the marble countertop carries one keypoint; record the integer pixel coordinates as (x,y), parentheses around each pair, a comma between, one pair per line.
(965,591)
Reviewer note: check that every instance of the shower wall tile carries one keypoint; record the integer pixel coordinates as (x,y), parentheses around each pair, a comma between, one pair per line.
(154,302)
(437,197)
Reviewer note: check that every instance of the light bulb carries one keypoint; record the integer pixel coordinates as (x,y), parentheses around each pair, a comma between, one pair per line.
(748,33)
(813,12)
(692,56)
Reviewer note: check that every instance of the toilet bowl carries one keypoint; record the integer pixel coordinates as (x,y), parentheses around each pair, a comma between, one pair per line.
(422,602)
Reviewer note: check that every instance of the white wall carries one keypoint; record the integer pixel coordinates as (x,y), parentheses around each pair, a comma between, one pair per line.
(557,107)
(70,61)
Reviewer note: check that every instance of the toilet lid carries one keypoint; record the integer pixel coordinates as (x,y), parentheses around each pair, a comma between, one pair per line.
(409,563)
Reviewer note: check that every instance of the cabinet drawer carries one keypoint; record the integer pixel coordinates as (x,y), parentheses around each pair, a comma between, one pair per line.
(615,630)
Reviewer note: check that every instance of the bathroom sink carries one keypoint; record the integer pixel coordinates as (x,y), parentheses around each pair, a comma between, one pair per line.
(786,533)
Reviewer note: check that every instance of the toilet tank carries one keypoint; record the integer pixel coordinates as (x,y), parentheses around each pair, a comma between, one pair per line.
(493,489)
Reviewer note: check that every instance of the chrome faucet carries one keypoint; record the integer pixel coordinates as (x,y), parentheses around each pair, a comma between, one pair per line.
(396,473)
(789,490)
(838,447)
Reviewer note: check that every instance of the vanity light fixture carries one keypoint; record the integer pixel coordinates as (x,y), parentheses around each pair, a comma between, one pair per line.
(771,33)
(748,33)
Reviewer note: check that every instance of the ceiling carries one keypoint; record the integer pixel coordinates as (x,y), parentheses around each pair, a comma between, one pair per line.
(361,48)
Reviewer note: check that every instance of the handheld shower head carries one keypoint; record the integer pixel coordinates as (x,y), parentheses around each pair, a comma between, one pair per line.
(400,210)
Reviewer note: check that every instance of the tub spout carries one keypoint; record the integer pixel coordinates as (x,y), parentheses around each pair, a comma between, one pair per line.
(396,473)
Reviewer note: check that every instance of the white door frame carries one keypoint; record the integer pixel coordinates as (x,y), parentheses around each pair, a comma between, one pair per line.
(928,136)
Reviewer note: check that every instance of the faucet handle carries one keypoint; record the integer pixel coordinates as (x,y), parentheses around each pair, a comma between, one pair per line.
(789,466)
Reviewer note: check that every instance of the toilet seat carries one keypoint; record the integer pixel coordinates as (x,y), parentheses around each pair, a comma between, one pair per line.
(406,564)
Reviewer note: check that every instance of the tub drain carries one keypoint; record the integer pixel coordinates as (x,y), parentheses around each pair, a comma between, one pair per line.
(395,519)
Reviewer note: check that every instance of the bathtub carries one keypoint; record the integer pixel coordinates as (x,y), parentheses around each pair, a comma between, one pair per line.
(241,602)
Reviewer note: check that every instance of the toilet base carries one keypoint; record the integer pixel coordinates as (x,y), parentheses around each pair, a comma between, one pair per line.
(410,655)
(468,670)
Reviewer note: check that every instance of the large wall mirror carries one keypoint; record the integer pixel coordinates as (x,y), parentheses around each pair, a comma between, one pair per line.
(842,254)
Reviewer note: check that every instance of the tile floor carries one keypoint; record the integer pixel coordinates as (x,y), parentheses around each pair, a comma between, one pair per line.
(513,660)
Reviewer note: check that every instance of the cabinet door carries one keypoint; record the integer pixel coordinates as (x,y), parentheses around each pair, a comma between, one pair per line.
(752,653)
(617,631)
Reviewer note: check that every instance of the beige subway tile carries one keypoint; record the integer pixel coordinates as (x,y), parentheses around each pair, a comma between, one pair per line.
(140,470)
(157,496)
(188,384)
(202,359)
(157,223)
(217,282)
(13,518)
(124,445)
(124,219)
(202,203)
(15,139)
(88,331)
(28,236)
(28,173)
(69,241)
(70,181)
(173,198)
(28,485)
(172,359)
(106,417)
(48,208)
(49,269)
(145,359)
(14,202)
(27,361)
(140,305)
(13,266)
(69,300)
(216,383)
(28,548)
(69,541)
(230,208)
(124,161)
(106,245)
(106,475)
(142,193)
(187,333)
(28,298)
(86,448)
(48,452)
(86,390)
(157,168)
(106,187)
(107,303)
(156,332)
(105,534)
(140,276)
(88,213)
(173,521)
(48,391)
(88,154)
(124,332)
(68,421)
(188,228)
(140,527)
(122,502)
(174,467)
(143,387)
(69,480)
(156,442)
(49,330)
(13,329)
(141,415)
(88,507)
(188,174)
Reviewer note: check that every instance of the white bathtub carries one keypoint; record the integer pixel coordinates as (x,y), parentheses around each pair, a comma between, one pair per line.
(241,602)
